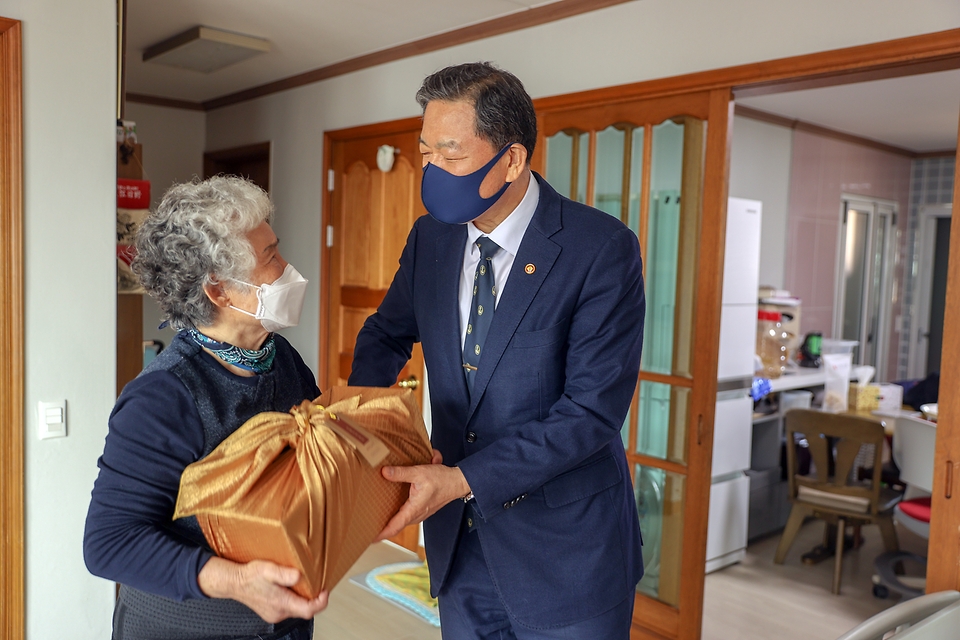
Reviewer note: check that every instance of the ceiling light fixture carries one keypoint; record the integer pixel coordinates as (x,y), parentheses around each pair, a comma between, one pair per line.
(205,49)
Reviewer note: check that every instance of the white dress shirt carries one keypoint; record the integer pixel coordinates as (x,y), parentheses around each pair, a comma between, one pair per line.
(508,235)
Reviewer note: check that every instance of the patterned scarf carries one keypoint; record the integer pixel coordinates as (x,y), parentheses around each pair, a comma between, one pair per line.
(257,360)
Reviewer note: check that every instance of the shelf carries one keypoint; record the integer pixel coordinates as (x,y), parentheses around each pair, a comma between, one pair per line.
(800,380)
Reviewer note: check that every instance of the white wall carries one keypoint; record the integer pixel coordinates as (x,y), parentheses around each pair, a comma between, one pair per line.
(621,44)
(69,121)
(760,170)
(173,141)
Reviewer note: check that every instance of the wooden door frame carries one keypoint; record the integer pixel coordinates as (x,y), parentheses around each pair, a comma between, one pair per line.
(11,333)
(945,506)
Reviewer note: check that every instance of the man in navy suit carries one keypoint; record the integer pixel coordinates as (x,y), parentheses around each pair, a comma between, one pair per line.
(530,311)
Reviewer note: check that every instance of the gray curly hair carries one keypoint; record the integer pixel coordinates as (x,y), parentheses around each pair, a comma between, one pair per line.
(197,236)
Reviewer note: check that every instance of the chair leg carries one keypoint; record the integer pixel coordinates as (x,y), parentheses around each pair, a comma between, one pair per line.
(889,534)
(838,556)
(797,514)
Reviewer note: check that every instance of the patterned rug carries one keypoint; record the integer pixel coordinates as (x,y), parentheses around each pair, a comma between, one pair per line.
(405,584)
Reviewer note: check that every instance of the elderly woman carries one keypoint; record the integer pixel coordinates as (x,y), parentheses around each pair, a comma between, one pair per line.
(210,259)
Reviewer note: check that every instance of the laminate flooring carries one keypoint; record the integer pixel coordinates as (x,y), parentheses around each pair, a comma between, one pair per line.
(759,600)
(752,600)
(357,614)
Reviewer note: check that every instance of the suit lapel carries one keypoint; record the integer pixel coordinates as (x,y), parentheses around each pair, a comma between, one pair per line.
(449,264)
(536,249)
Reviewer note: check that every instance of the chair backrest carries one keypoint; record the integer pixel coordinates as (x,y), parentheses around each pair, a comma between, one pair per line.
(834,441)
(911,612)
(914,440)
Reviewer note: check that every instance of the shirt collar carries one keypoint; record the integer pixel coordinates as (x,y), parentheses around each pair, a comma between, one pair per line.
(509,233)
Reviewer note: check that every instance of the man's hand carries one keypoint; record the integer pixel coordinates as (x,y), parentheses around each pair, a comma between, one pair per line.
(431,487)
(263,586)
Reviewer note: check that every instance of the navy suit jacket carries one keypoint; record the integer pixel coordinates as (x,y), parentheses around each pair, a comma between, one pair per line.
(544,456)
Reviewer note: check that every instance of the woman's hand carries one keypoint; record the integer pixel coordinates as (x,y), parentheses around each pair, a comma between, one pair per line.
(263,586)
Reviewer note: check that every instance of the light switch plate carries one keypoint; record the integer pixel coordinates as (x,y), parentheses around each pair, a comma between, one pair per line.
(52,419)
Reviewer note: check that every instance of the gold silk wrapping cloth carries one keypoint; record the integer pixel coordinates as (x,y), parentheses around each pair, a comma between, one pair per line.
(299,488)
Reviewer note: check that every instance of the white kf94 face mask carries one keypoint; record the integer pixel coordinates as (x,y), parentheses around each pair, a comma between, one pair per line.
(280,302)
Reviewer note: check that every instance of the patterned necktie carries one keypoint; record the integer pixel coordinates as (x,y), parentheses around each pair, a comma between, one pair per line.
(481,309)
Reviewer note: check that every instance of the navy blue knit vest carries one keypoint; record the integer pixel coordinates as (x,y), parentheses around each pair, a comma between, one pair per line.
(224,401)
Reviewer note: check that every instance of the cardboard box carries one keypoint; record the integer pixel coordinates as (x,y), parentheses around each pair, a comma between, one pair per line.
(891,397)
(863,397)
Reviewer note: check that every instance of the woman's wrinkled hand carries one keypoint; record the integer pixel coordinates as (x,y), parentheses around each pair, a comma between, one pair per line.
(261,585)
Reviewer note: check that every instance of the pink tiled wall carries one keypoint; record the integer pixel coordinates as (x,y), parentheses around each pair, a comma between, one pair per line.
(821,170)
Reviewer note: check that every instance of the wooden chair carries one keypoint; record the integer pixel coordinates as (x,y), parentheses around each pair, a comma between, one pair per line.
(833,493)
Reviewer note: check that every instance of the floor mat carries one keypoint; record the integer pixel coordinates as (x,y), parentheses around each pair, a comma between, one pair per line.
(405,584)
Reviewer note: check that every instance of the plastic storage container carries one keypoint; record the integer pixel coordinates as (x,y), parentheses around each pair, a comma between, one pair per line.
(829,346)
(772,343)
(800,399)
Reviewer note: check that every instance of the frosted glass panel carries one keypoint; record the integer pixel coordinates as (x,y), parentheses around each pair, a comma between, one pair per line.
(661,281)
(672,245)
(559,162)
(660,497)
(609,179)
(662,421)
(636,179)
(567,160)
(854,273)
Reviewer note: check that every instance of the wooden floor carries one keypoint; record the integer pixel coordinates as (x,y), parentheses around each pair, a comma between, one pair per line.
(752,600)
(357,614)
(759,600)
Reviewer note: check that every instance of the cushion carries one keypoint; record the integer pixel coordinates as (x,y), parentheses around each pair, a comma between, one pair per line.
(918,508)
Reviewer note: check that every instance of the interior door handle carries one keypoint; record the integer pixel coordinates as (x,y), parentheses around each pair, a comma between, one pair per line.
(409,383)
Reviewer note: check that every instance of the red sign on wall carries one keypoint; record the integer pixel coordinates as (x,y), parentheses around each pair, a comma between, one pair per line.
(133,194)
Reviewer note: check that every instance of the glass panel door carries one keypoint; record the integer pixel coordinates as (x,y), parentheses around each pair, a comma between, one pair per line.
(864,286)
(854,272)
(644,163)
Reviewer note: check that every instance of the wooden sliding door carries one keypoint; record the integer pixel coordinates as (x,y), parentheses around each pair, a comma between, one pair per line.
(660,166)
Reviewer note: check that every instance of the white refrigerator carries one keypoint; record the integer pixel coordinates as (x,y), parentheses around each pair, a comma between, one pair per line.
(730,486)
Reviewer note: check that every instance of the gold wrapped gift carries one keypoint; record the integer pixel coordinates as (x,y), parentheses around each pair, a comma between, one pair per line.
(303,489)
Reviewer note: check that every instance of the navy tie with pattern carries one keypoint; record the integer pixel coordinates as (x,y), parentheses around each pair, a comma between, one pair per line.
(481,309)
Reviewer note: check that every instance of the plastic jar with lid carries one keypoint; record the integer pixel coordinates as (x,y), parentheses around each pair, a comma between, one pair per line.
(772,341)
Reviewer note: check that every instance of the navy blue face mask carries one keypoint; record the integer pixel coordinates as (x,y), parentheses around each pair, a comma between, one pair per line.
(456,199)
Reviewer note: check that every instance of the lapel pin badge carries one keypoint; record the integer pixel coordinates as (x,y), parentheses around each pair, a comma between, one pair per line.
(530,268)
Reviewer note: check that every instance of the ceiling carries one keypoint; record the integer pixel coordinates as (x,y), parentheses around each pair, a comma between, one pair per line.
(917,113)
(304,34)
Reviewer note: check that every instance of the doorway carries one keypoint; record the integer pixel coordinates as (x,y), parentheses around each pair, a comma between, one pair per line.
(933,252)
(251,162)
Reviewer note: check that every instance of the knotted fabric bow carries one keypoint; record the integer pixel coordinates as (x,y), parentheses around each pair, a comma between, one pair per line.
(303,489)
